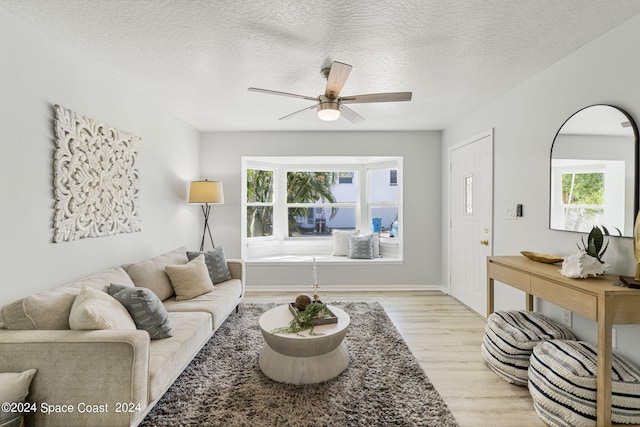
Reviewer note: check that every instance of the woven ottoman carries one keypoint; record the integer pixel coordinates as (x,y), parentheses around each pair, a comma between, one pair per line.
(562,382)
(510,337)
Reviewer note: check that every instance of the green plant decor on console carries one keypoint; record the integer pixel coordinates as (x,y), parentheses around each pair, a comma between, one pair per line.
(304,320)
(595,241)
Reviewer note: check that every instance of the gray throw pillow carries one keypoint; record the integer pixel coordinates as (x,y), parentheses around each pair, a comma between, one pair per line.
(361,247)
(145,309)
(216,264)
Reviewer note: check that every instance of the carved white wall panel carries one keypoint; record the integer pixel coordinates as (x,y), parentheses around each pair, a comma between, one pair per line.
(96,178)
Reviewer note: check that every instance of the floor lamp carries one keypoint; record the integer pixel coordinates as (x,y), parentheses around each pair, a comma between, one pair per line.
(206,193)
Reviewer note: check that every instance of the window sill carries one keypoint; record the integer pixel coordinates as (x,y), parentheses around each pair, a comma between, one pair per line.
(320,259)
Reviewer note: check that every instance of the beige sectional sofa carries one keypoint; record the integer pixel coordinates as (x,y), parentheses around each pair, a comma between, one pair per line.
(109,377)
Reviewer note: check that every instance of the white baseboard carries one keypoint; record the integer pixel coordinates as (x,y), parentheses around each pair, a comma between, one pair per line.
(346,288)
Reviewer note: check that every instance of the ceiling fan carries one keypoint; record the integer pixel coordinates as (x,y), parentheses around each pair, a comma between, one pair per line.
(331,105)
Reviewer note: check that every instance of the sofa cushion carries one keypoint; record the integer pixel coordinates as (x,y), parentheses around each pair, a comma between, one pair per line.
(14,387)
(94,309)
(191,279)
(145,309)
(168,357)
(50,309)
(218,303)
(151,273)
(216,264)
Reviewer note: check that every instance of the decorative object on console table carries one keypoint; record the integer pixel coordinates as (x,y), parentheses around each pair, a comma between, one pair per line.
(595,240)
(582,265)
(544,258)
(634,282)
(206,193)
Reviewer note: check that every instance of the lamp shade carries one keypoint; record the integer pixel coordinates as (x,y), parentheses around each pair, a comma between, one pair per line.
(206,192)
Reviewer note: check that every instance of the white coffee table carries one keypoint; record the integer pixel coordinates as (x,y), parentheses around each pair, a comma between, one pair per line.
(295,359)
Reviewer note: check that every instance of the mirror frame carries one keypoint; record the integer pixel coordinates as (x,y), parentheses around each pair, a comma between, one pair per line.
(636,150)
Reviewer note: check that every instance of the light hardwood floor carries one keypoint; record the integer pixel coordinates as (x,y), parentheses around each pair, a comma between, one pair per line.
(445,337)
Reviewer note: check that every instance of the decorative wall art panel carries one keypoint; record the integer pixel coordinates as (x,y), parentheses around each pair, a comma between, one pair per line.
(96,178)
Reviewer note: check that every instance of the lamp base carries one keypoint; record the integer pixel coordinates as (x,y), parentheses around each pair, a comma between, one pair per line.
(630,281)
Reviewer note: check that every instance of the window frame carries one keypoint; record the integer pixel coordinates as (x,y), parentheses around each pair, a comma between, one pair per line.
(279,243)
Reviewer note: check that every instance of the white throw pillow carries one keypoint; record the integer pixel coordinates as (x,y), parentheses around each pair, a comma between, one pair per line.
(14,388)
(94,309)
(191,279)
(341,241)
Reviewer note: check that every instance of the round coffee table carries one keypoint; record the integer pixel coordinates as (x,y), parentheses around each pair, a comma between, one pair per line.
(295,359)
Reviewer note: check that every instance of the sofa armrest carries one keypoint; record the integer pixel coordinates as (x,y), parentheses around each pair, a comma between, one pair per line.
(101,377)
(237,270)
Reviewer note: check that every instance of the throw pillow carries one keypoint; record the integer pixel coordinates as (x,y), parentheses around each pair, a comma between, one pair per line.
(216,264)
(361,247)
(94,309)
(191,279)
(341,241)
(377,252)
(14,388)
(151,273)
(145,309)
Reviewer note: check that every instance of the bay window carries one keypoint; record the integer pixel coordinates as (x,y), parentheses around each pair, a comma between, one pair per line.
(292,205)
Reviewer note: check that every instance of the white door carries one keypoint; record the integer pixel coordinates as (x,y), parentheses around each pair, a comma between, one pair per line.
(470,214)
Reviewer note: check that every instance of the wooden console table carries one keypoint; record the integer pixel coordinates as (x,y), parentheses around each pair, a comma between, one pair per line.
(594,298)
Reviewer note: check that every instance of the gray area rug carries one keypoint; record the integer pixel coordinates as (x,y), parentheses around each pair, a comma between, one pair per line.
(383,386)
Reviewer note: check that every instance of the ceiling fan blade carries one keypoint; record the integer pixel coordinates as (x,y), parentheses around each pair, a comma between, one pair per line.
(337,77)
(377,97)
(350,115)
(288,116)
(275,92)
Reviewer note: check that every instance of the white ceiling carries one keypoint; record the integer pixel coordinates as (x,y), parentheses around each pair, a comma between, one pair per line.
(198,57)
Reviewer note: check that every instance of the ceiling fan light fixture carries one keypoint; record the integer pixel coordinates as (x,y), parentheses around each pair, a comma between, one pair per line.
(328,109)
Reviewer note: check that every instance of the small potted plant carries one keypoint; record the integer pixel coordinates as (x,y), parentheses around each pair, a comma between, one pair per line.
(595,240)
(305,319)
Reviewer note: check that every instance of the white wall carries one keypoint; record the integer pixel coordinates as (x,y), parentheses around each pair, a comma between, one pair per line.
(36,73)
(525,120)
(221,160)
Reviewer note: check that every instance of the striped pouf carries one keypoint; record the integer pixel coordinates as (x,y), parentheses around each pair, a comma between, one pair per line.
(562,382)
(510,337)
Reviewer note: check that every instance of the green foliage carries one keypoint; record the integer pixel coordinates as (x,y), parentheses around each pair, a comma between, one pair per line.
(309,187)
(304,319)
(595,240)
(302,187)
(260,190)
(583,188)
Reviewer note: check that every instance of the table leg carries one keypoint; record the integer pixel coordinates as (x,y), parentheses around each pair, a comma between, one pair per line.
(529,302)
(603,384)
(490,295)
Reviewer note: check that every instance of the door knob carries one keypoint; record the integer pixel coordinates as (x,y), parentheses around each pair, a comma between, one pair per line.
(484,242)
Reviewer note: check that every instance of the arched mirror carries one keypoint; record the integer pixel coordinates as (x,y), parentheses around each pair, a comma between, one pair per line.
(594,172)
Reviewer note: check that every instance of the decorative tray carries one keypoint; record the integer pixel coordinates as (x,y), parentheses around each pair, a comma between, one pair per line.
(545,258)
(324,321)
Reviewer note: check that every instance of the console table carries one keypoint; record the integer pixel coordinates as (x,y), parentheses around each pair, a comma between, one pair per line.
(594,298)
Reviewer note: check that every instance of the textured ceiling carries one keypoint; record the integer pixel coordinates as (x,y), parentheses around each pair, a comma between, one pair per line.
(198,57)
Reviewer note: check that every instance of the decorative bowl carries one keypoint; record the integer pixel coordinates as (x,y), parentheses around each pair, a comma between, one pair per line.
(545,258)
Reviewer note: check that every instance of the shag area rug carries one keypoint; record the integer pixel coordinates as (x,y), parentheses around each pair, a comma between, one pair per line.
(383,386)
